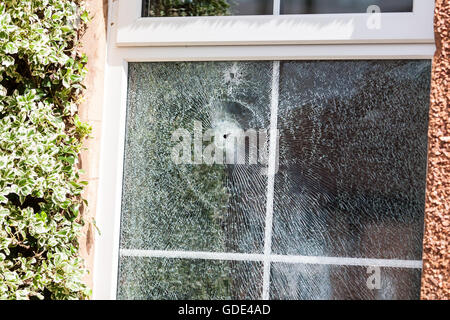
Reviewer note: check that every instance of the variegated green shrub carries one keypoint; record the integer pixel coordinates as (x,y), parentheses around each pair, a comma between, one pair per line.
(41,136)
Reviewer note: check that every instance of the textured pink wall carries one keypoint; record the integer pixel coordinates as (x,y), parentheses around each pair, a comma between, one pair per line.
(94,45)
(436,250)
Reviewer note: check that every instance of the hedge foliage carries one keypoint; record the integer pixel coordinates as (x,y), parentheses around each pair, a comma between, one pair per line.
(41,73)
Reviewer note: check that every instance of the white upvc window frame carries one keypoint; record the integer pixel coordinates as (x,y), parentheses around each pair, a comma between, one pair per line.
(232,38)
(401,27)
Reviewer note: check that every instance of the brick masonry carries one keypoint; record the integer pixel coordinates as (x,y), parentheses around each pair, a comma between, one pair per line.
(436,247)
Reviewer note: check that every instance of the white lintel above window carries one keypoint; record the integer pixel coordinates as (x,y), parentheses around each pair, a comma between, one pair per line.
(402,27)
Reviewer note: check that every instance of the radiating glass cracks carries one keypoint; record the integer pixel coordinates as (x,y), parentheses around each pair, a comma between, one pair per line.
(348,190)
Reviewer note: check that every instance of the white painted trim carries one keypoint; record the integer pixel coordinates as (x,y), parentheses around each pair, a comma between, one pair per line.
(291,259)
(282,52)
(110,181)
(109,194)
(132,30)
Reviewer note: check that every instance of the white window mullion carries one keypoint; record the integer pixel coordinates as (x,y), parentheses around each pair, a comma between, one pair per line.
(132,30)
(276,7)
(273,140)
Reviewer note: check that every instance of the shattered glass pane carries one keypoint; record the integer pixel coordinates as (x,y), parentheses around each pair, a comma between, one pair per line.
(193,206)
(353,150)
(350,177)
(334,282)
(185,279)
(343,6)
(182,8)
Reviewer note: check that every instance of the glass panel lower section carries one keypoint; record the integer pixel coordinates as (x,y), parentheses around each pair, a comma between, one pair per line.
(184,279)
(251,7)
(334,282)
(343,6)
(184,8)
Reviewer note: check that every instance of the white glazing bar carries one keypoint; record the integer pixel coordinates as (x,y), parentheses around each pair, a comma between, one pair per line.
(344,261)
(271,176)
(276,7)
(204,255)
(226,256)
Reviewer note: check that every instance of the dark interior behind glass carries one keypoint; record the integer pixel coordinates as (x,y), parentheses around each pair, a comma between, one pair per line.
(182,8)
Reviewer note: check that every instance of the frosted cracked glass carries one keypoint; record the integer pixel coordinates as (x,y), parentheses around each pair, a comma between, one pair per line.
(350,181)
(198,207)
(334,282)
(342,6)
(174,279)
(353,148)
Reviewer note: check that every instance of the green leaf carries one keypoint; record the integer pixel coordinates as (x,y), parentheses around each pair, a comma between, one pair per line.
(7,61)
(85,16)
(11,48)
(3,199)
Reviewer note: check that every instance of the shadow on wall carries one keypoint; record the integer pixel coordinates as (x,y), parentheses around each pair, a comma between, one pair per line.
(105,14)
